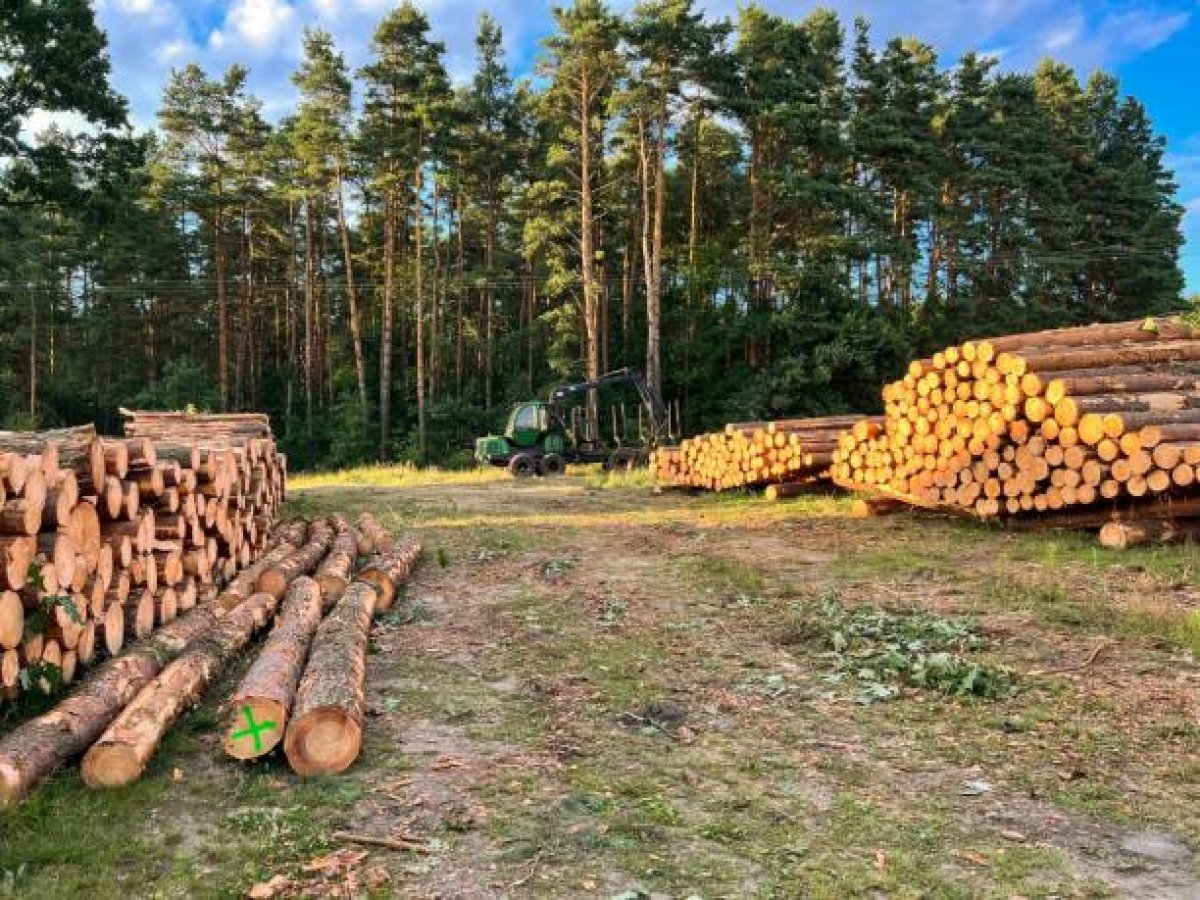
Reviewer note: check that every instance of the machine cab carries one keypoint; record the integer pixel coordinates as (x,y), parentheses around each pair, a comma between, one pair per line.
(527,423)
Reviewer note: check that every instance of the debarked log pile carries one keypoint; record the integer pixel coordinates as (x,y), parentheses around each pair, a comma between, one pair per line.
(1099,422)
(753,454)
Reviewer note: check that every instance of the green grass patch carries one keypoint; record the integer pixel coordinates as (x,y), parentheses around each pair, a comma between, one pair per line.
(403,475)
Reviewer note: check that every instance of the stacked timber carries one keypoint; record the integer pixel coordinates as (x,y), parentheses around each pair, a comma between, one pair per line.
(753,454)
(1103,420)
(102,540)
(122,710)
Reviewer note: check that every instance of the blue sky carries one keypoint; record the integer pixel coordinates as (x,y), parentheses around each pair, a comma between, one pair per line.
(1153,47)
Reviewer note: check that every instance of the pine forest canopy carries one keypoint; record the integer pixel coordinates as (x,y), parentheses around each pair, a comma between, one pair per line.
(769,215)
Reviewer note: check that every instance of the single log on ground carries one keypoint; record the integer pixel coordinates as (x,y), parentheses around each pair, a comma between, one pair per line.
(242,587)
(335,571)
(373,538)
(787,489)
(120,755)
(1124,535)
(870,507)
(259,708)
(390,571)
(324,735)
(275,578)
(35,749)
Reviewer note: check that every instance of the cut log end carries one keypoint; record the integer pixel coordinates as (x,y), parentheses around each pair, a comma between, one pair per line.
(325,742)
(256,726)
(12,786)
(110,766)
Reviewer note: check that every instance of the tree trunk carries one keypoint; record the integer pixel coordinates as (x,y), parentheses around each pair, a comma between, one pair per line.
(489,297)
(310,326)
(324,735)
(434,287)
(385,332)
(260,706)
(356,343)
(34,750)
(222,310)
(333,575)
(392,570)
(591,317)
(419,303)
(120,756)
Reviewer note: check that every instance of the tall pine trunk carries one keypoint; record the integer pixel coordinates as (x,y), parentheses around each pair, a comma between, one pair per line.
(385,329)
(222,309)
(489,297)
(588,248)
(310,326)
(356,345)
(419,304)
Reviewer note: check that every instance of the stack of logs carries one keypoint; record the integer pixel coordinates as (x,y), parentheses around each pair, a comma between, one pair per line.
(306,687)
(753,454)
(104,539)
(1101,422)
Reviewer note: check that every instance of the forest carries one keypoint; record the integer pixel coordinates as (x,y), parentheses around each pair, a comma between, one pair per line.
(768,216)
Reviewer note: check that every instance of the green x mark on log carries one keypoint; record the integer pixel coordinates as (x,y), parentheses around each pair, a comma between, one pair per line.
(253,729)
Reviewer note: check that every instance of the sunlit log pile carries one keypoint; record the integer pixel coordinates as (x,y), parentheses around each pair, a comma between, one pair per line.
(304,691)
(103,540)
(754,454)
(1099,423)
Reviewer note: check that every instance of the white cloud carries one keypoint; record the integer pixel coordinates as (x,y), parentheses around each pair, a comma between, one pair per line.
(259,22)
(137,7)
(1063,36)
(175,52)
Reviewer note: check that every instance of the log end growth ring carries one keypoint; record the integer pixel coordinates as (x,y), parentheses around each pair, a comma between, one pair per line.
(324,742)
(110,766)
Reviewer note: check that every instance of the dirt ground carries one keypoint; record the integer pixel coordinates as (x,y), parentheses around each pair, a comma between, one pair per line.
(595,691)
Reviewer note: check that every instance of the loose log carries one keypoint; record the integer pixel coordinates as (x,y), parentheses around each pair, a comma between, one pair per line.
(275,578)
(1124,535)
(373,538)
(243,586)
(260,706)
(120,755)
(391,570)
(35,749)
(324,735)
(334,572)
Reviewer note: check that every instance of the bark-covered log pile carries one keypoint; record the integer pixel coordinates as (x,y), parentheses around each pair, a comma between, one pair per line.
(753,454)
(103,540)
(1094,424)
(310,701)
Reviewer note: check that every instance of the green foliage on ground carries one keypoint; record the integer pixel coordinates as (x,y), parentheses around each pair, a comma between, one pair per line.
(878,652)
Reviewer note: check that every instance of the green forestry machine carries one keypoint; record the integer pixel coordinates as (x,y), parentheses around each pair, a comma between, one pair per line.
(542,438)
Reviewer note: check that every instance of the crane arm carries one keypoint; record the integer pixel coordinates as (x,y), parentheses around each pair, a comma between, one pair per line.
(650,397)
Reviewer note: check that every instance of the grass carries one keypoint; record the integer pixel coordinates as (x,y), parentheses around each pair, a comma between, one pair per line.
(396,476)
(594,690)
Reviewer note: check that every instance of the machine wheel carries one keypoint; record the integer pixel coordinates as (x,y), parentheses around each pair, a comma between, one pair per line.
(522,466)
(622,460)
(553,464)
